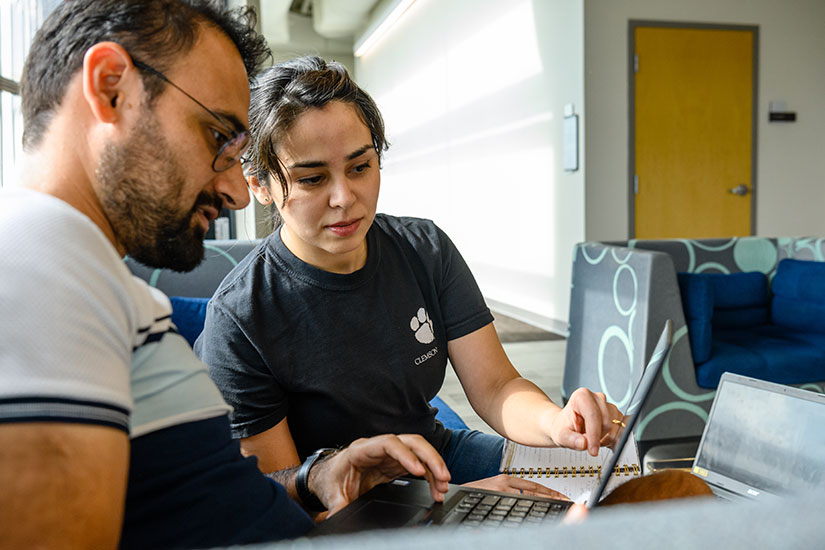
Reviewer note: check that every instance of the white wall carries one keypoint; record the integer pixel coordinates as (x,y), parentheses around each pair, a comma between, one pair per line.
(473,92)
(790,157)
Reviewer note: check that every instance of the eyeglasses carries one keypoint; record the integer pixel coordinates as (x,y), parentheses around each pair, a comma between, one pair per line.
(234,146)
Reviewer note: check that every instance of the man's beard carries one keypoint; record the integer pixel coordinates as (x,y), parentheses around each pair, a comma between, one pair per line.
(141,183)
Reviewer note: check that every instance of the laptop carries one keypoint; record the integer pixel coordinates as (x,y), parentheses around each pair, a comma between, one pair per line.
(407,502)
(762,440)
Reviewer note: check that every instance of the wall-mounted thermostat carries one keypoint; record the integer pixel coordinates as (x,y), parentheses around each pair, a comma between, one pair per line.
(778,112)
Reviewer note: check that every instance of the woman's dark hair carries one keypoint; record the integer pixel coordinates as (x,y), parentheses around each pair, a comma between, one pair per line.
(154,31)
(284,92)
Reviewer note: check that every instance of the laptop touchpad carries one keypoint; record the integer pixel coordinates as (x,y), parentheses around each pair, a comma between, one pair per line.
(381,514)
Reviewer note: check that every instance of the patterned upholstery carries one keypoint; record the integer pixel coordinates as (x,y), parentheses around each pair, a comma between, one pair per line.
(622,293)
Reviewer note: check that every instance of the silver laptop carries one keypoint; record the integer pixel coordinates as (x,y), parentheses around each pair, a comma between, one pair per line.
(762,440)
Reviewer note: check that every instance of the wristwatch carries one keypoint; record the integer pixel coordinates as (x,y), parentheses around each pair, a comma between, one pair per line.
(309,500)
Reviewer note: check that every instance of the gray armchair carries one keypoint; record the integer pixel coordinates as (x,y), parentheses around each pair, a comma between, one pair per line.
(622,293)
(218,259)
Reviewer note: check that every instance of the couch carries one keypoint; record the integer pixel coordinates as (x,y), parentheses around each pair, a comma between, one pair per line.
(190,292)
(622,293)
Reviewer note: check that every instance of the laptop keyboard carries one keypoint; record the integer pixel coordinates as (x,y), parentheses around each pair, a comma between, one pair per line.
(486,510)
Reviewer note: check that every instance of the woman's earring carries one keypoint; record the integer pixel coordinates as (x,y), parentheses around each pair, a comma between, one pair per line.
(266,199)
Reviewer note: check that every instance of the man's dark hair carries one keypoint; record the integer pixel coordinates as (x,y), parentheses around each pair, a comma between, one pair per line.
(284,92)
(153,31)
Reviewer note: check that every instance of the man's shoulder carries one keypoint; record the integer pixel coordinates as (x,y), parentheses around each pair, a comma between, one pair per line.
(64,279)
(31,220)
(56,246)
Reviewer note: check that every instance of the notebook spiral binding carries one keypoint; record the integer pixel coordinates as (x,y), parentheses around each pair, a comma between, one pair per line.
(565,471)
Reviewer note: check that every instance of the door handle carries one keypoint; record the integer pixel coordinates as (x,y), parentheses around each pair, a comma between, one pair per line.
(740,190)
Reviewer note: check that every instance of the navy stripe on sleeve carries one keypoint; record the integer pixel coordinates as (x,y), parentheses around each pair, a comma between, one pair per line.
(142,330)
(56,409)
(155,337)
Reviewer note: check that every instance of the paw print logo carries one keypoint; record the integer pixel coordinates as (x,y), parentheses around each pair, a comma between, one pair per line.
(422,327)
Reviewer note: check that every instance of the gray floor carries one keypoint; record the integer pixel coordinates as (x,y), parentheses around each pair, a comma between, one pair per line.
(540,361)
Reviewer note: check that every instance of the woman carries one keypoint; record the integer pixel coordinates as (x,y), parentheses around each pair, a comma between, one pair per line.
(340,324)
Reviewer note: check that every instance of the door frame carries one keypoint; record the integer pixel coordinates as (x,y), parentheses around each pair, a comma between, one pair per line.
(633,24)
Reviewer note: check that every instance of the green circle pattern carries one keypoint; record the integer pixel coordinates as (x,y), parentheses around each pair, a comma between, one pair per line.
(593,261)
(755,255)
(632,308)
(671,383)
(719,248)
(712,265)
(614,331)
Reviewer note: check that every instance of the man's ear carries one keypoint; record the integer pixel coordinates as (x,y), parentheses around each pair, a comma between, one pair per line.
(258,189)
(105,66)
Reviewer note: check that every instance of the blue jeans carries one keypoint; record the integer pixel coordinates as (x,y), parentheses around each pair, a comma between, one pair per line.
(472,455)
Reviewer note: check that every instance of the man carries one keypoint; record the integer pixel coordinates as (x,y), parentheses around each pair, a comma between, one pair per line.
(111,432)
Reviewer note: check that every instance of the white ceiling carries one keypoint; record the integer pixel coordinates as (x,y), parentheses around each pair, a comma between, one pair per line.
(337,20)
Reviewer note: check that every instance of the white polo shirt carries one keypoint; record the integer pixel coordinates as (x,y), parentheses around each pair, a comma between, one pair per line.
(81,338)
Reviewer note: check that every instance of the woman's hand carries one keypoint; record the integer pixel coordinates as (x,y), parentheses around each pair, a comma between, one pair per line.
(575,514)
(587,422)
(512,484)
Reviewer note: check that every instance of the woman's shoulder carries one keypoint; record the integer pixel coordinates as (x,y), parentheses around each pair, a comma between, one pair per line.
(410,229)
(245,276)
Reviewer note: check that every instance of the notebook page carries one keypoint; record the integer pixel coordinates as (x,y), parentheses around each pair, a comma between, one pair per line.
(568,471)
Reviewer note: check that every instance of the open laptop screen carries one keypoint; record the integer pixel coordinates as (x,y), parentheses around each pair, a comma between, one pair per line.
(766,436)
(637,401)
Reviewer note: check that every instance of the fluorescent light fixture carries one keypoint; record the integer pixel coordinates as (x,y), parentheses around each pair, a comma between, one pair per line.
(378,30)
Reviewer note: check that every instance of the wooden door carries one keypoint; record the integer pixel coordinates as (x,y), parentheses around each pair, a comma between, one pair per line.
(693,116)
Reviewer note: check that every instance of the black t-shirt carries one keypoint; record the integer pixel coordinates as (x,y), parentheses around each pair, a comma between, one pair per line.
(342,356)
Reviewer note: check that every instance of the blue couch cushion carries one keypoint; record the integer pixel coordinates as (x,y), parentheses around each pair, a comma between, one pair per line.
(768,352)
(740,300)
(738,290)
(740,317)
(188,315)
(714,301)
(697,296)
(697,302)
(799,296)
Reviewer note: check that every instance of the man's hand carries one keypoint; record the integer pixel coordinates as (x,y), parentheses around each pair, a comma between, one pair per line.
(347,474)
(512,484)
(587,422)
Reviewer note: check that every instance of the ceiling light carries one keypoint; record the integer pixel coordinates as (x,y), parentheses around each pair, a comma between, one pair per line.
(378,30)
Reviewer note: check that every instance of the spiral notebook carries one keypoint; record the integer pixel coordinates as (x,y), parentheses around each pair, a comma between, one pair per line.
(570,472)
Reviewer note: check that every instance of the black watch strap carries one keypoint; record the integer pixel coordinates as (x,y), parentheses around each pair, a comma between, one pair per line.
(309,500)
